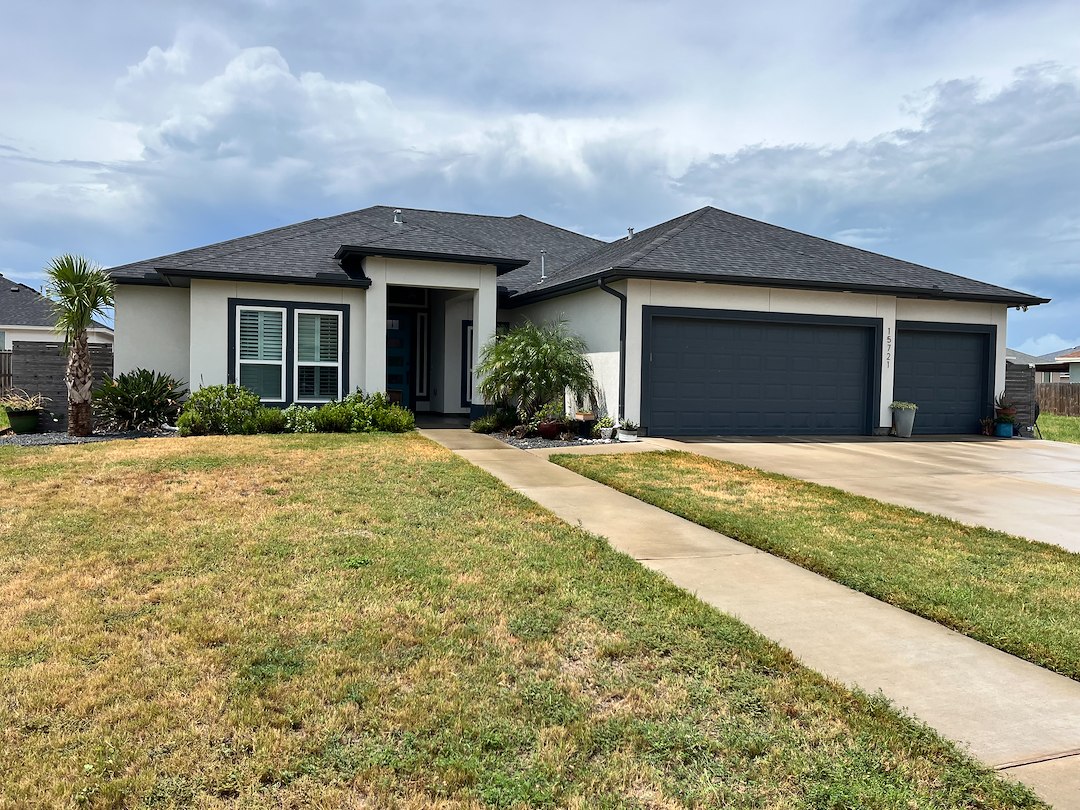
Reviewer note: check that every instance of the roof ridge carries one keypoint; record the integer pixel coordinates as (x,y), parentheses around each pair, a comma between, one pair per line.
(665,237)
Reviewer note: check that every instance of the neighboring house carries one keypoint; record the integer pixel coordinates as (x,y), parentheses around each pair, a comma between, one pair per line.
(1061,366)
(26,314)
(710,323)
(1021,358)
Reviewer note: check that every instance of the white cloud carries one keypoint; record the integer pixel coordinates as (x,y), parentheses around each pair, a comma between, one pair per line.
(1046,344)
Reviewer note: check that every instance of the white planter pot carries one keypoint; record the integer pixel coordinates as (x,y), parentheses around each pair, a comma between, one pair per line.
(627,435)
(605,433)
(903,421)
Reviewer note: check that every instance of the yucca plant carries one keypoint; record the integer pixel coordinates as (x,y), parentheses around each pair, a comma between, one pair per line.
(534,364)
(139,400)
(80,290)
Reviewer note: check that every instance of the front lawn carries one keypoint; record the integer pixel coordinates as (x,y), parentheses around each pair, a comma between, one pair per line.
(369,621)
(1020,596)
(1060,428)
(3,419)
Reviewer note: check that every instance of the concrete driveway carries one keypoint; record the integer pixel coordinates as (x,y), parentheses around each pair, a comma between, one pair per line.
(1022,486)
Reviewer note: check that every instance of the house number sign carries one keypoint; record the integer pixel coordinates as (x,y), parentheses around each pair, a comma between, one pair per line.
(888,347)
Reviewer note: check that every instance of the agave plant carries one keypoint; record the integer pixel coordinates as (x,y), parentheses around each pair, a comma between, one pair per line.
(534,364)
(80,290)
(139,400)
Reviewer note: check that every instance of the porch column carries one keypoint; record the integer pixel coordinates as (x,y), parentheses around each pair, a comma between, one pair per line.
(485,304)
(375,326)
(886,309)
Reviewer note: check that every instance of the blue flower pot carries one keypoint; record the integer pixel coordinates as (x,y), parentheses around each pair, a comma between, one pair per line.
(1004,430)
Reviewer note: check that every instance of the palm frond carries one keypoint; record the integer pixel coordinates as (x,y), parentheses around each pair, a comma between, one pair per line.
(80,291)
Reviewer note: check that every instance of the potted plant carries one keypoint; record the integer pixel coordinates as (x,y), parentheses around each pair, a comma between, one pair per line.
(23,410)
(1003,407)
(628,431)
(986,424)
(903,418)
(551,420)
(1003,425)
(605,426)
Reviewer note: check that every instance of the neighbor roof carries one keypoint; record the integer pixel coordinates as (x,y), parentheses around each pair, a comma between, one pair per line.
(714,245)
(24,306)
(312,251)
(1023,358)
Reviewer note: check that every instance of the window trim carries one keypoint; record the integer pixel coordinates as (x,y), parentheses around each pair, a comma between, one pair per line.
(284,347)
(232,350)
(297,312)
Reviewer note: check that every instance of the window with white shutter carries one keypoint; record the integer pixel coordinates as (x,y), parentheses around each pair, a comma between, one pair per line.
(318,356)
(260,351)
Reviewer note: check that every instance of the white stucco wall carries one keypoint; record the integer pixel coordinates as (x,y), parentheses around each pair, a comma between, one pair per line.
(209,324)
(887,308)
(152,330)
(479,281)
(594,316)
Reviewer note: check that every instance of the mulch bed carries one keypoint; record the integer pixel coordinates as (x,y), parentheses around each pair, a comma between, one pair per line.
(536,443)
(7,437)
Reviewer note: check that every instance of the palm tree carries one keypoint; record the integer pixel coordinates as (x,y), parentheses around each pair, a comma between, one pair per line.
(533,365)
(80,290)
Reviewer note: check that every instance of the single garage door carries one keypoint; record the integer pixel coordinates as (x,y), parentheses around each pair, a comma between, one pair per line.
(721,376)
(946,374)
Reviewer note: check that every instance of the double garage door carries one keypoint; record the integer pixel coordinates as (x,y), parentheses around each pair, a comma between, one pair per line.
(746,374)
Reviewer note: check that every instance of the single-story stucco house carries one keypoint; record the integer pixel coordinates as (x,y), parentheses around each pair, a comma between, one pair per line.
(710,323)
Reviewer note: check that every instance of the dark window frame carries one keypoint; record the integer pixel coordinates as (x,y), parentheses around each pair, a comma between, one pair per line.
(290,307)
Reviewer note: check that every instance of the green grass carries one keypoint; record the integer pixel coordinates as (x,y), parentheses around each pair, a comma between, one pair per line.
(369,621)
(3,419)
(1060,428)
(1014,594)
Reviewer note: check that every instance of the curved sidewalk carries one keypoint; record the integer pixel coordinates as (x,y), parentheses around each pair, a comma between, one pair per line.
(1010,714)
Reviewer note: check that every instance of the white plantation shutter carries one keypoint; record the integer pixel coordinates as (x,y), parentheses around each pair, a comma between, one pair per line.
(261,352)
(318,356)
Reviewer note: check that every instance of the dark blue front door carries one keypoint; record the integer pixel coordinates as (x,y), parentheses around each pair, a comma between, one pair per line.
(399,354)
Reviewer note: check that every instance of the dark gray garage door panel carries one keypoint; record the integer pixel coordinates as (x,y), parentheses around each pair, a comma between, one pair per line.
(946,374)
(711,376)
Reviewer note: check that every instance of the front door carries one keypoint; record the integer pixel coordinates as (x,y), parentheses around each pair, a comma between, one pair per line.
(399,354)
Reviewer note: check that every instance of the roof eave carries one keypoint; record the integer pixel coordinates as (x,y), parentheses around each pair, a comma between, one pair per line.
(503,264)
(617,273)
(166,276)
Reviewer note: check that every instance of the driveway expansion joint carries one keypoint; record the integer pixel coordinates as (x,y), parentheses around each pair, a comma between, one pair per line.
(1073,753)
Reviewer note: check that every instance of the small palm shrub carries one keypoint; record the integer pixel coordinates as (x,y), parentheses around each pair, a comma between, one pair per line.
(220,409)
(535,364)
(138,400)
(488,423)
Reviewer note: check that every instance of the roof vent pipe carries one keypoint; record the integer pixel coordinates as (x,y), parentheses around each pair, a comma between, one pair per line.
(629,234)
(398,220)
(543,265)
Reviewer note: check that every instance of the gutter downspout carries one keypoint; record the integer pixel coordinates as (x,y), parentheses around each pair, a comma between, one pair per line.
(622,343)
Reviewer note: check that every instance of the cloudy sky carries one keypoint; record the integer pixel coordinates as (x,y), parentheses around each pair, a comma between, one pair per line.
(946,133)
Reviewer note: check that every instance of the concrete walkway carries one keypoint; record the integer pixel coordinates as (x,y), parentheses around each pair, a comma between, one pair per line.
(1010,714)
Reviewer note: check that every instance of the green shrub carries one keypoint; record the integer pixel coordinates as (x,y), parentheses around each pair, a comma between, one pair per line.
(334,417)
(394,419)
(270,420)
(191,423)
(138,400)
(488,423)
(221,409)
(299,419)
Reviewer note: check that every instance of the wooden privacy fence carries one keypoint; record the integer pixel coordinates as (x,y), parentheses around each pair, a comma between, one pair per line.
(38,368)
(1020,391)
(1060,398)
(5,371)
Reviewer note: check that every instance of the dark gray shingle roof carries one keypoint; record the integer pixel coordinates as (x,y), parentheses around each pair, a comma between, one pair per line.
(710,244)
(707,244)
(1024,359)
(24,306)
(305,251)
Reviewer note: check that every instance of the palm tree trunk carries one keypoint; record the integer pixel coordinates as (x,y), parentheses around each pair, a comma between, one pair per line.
(80,384)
